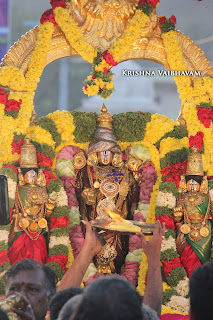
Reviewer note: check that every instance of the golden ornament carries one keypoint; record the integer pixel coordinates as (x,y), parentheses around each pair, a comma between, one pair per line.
(204,232)
(185,228)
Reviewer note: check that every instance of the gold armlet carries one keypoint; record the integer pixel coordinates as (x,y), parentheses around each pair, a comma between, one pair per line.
(79,160)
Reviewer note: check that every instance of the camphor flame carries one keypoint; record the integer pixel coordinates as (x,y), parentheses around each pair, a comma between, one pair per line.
(115,216)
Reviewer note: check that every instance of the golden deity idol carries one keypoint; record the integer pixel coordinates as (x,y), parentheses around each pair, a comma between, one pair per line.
(29,231)
(192,215)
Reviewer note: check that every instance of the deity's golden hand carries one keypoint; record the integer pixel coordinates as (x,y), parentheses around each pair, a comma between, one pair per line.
(178,214)
(49,207)
(89,196)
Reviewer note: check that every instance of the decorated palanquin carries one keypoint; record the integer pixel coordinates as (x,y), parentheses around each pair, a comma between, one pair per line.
(104,34)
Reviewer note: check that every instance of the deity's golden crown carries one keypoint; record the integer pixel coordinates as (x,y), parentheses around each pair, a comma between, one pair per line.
(104,118)
(28,155)
(194,165)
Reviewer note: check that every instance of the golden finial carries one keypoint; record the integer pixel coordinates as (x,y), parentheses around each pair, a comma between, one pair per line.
(105,118)
(28,155)
(194,165)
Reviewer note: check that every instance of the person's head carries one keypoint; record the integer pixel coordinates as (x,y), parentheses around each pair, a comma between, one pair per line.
(34,281)
(201,292)
(60,298)
(111,297)
(69,307)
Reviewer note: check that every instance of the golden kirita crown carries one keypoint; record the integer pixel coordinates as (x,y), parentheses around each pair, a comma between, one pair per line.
(28,155)
(194,165)
(105,118)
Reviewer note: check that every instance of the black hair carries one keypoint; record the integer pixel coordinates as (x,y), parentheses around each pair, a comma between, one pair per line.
(111,297)
(201,292)
(30,264)
(194,177)
(3,315)
(25,170)
(60,298)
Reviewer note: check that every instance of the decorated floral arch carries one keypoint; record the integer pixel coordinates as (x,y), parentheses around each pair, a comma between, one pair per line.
(168,142)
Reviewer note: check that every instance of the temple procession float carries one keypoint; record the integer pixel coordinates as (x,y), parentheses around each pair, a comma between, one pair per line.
(72,165)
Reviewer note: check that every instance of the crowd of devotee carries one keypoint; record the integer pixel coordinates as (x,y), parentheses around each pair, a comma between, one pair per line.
(32,291)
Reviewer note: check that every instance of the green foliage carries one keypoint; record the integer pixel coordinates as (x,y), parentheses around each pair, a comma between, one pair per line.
(210,184)
(54,186)
(85,124)
(167,26)
(146,8)
(178,132)
(174,157)
(175,276)
(18,137)
(13,114)
(44,149)
(131,126)
(56,268)
(169,186)
(9,172)
(163,211)
(60,232)
(61,211)
(2,286)
(168,254)
(59,249)
(170,232)
(205,105)
(49,125)
(168,294)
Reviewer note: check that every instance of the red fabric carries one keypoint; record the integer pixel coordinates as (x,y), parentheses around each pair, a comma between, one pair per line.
(58,222)
(169,316)
(170,265)
(189,260)
(61,259)
(25,248)
(3,257)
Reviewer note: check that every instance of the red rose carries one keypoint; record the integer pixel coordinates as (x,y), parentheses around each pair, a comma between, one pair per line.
(176,180)
(3,96)
(61,259)
(48,16)
(93,77)
(196,140)
(153,3)
(176,169)
(141,2)
(16,146)
(109,59)
(205,116)
(170,265)
(12,105)
(105,70)
(162,20)
(58,222)
(173,19)
(44,161)
(58,3)
(85,87)
(169,222)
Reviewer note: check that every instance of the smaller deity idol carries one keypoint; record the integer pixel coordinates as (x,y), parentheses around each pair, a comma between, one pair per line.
(105,181)
(29,232)
(191,216)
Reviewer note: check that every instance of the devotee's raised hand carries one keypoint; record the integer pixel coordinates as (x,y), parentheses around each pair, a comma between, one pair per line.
(152,248)
(92,242)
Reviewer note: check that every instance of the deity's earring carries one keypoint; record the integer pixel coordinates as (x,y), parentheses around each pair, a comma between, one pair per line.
(21,181)
(117,160)
(182,185)
(92,159)
(41,180)
(204,185)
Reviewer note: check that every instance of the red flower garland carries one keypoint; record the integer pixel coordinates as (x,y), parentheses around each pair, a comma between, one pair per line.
(61,259)
(197,140)
(58,222)
(43,160)
(168,266)
(58,3)
(16,146)
(205,116)
(3,96)
(48,16)
(49,176)
(12,105)
(169,222)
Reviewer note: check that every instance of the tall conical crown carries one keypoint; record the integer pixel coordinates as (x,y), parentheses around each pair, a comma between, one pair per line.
(194,165)
(105,118)
(28,155)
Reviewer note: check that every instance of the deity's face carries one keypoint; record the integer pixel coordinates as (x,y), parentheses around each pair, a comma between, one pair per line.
(31,177)
(192,186)
(105,157)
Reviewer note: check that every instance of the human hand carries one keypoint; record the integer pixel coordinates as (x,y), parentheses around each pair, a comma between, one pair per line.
(92,243)
(26,312)
(152,248)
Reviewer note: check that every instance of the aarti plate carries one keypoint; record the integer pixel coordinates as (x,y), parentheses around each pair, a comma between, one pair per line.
(128,227)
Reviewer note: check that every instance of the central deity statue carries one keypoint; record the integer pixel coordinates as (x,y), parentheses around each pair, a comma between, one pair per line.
(192,216)
(104,181)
